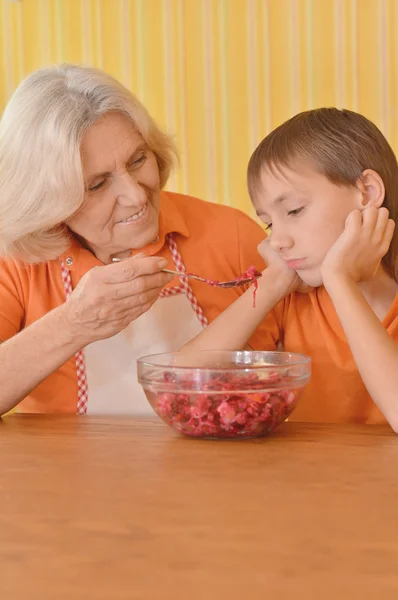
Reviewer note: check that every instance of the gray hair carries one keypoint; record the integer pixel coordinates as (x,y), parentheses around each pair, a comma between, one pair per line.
(41,130)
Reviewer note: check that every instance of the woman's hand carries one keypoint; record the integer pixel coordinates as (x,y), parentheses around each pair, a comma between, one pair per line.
(357,253)
(283,272)
(108,298)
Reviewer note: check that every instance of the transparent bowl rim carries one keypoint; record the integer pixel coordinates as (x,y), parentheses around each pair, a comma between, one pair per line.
(295,360)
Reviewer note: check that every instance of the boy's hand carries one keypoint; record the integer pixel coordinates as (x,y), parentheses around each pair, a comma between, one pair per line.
(357,253)
(275,262)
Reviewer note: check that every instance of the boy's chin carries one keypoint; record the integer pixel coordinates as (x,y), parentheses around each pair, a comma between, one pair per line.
(311,278)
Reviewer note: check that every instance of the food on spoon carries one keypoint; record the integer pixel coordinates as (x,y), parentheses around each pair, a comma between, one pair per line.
(250,273)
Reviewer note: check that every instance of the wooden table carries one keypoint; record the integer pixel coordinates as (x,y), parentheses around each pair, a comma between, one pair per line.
(113,508)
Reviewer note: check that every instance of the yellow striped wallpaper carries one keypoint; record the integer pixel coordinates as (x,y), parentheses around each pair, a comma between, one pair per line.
(219,74)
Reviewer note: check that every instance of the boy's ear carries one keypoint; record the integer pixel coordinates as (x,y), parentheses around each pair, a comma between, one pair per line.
(372,190)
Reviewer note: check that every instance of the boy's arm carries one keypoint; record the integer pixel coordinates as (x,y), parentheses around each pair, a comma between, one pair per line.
(356,256)
(374,350)
(233,328)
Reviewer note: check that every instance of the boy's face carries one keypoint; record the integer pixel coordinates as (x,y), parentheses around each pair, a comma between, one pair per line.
(307,214)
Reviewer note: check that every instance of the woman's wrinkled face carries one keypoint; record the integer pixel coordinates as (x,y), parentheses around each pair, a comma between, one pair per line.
(122,192)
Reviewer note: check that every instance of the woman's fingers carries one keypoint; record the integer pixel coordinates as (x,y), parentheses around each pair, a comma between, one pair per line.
(130,268)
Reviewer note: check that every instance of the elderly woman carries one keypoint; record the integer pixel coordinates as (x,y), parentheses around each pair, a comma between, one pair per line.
(85,231)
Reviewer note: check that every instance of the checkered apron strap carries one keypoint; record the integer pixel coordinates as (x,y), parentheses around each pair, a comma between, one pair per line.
(82,387)
(184,287)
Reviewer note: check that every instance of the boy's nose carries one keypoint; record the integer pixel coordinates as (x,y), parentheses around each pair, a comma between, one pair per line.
(280,241)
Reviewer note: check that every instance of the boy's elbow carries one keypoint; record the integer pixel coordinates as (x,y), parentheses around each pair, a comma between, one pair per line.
(394,425)
(393,418)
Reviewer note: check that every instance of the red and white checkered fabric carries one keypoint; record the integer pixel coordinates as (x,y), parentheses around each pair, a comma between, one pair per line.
(82,387)
(183,288)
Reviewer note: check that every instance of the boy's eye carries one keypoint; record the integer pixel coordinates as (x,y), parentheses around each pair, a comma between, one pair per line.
(296,211)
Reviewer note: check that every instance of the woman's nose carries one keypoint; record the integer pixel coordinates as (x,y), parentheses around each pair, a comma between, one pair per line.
(129,191)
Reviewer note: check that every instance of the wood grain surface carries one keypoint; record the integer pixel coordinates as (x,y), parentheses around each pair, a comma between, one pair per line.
(125,509)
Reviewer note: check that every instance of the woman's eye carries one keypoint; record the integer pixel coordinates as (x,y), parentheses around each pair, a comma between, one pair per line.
(268,226)
(138,162)
(296,211)
(97,186)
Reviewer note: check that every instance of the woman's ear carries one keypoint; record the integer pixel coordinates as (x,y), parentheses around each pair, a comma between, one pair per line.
(372,189)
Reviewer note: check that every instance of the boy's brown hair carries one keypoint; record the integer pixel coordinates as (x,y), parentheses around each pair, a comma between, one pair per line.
(340,144)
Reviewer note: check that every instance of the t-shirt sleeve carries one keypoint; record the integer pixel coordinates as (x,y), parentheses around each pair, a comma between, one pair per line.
(11,300)
(269,333)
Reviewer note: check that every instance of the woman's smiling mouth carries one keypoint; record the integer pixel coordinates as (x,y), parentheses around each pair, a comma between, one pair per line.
(136,217)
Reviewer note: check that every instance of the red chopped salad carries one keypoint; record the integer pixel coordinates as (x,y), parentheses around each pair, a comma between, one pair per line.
(227,406)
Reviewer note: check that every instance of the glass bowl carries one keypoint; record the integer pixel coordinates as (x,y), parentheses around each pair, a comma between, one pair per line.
(224,394)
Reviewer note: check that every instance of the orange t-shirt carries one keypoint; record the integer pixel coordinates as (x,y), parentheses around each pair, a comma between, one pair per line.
(215,241)
(336,393)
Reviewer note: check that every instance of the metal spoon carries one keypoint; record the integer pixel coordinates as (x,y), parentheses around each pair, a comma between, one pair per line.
(222,284)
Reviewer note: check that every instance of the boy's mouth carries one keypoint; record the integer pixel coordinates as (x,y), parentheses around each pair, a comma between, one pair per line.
(295,263)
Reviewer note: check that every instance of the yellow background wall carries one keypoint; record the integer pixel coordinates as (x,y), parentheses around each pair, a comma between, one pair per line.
(218,73)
